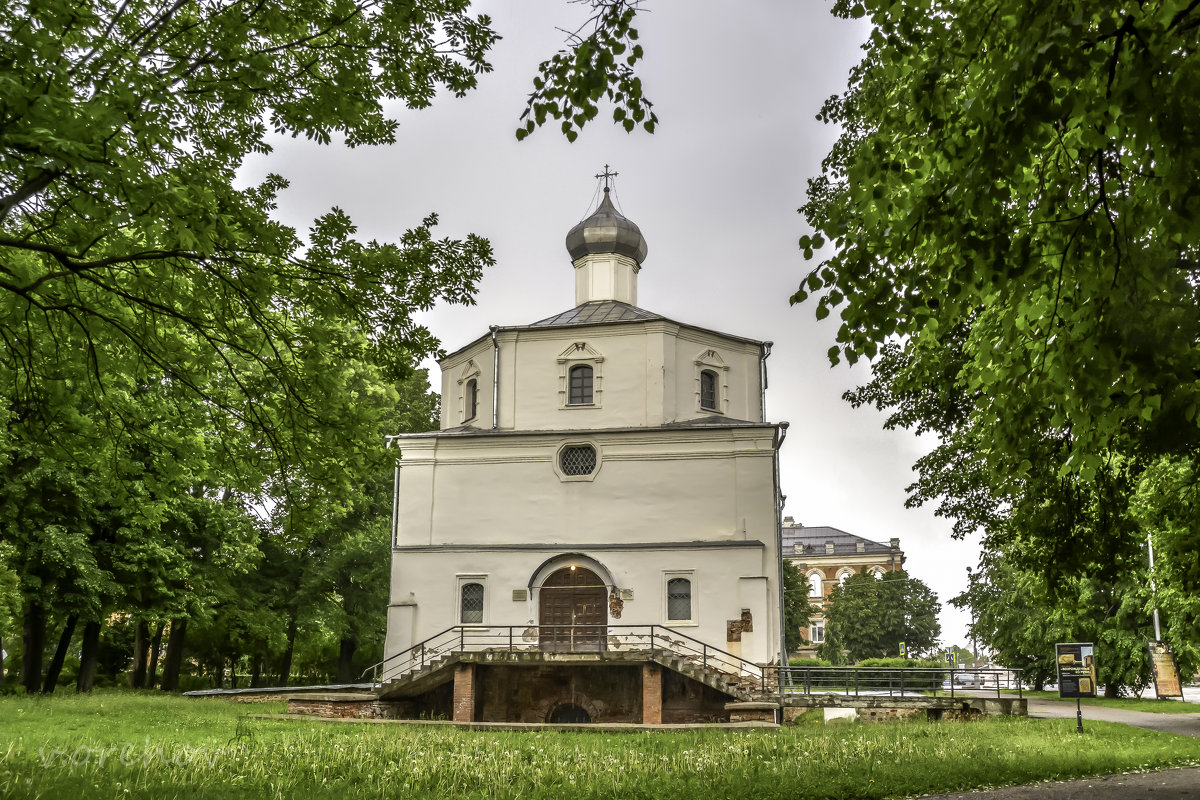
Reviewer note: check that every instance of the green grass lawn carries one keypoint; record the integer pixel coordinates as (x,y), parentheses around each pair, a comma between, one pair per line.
(1128,703)
(122,745)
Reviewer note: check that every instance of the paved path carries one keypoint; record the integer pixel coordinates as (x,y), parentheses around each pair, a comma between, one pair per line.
(1185,724)
(1170,784)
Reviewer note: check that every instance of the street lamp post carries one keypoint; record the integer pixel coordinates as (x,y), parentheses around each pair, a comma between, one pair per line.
(974,641)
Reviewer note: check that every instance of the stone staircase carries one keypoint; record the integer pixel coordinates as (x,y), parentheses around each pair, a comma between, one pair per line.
(439,670)
(434,673)
(738,686)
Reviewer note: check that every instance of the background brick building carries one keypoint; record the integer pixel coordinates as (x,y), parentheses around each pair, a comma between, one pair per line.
(826,556)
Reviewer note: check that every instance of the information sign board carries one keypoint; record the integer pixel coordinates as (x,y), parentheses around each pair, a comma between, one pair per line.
(1166,672)
(1076,669)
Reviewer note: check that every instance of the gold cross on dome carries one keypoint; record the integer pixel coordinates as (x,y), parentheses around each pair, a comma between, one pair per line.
(606,175)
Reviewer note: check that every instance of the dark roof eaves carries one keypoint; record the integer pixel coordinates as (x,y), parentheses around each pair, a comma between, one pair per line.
(468,431)
(597,324)
(734,337)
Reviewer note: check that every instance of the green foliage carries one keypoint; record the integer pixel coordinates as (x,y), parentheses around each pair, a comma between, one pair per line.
(809,662)
(868,617)
(1025,170)
(10,604)
(1020,617)
(1064,554)
(903,663)
(797,610)
(120,219)
(1011,204)
(178,368)
(597,66)
(223,755)
(923,680)
(1167,505)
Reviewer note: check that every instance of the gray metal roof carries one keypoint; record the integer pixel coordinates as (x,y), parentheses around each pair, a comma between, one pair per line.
(812,541)
(596,312)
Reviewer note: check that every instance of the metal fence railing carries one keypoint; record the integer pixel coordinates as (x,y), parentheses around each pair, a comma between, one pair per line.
(568,639)
(896,681)
(785,680)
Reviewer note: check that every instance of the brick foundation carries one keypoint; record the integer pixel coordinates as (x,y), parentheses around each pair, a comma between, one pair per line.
(891,714)
(686,701)
(652,691)
(464,693)
(533,693)
(345,706)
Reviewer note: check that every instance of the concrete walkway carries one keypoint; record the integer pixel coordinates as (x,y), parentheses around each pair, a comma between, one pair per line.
(1169,784)
(1183,724)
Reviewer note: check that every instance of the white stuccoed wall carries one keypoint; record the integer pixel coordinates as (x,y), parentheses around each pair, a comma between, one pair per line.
(647,375)
(491,505)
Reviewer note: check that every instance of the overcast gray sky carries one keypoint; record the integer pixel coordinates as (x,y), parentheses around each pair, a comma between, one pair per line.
(736,86)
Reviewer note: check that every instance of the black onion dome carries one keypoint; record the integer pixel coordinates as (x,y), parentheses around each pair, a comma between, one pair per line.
(606,231)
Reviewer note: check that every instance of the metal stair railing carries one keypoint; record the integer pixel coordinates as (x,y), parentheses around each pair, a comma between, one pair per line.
(567,639)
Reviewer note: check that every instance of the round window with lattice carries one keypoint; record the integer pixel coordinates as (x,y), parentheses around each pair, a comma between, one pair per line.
(577,459)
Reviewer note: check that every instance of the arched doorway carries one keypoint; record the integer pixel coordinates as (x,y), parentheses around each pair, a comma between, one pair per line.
(570,713)
(573,611)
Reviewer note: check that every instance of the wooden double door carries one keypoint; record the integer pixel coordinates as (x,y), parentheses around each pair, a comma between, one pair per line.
(573,611)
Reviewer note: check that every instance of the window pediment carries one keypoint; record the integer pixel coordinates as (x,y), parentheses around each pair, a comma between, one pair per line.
(580,351)
(580,377)
(711,382)
(468,391)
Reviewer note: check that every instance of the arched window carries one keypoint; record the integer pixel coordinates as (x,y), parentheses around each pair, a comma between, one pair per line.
(580,389)
(878,573)
(679,599)
(471,400)
(471,609)
(843,574)
(816,586)
(708,390)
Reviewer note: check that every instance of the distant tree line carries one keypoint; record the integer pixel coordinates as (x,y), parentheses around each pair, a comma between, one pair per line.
(194,395)
(138,563)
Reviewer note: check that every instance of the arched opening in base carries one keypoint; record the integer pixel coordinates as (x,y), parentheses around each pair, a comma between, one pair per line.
(569,712)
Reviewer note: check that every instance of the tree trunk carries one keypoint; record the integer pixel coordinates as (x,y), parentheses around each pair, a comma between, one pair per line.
(219,674)
(285,665)
(141,649)
(345,670)
(155,650)
(233,662)
(174,656)
(255,671)
(87,659)
(60,654)
(1112,690)
(33,635)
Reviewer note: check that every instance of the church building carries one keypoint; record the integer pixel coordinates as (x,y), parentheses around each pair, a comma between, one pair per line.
(593,534)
